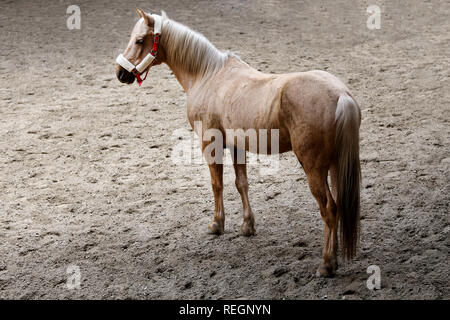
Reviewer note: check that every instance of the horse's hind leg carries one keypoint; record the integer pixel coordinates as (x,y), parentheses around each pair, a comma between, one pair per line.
(317,179)
(248,226)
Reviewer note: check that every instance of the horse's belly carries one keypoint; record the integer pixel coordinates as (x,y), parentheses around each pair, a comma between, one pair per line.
(252,121)
(263,141)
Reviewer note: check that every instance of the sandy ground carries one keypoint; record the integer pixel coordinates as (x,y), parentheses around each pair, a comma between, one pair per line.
(86,176)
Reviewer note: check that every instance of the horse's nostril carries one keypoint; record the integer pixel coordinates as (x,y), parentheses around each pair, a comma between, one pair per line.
(121,74)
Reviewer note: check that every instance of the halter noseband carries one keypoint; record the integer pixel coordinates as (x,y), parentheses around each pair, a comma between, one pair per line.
(149,58)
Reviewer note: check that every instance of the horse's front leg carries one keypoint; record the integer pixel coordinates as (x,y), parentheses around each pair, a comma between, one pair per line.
(218,224)
(248,226)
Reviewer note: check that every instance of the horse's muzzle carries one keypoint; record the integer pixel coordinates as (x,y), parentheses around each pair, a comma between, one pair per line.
(124,76)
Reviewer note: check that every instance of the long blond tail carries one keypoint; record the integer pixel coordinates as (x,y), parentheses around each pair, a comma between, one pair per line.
(348,119)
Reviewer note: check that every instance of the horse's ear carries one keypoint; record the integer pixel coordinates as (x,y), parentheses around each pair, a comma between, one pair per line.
(139,12)
(143,15)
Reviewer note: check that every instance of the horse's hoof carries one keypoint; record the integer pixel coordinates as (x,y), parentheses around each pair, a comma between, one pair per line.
(214,228)
(325,271)
(248,229)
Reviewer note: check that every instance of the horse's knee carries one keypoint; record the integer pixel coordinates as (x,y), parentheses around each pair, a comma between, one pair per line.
(217,186)
(329,220)
(241,184)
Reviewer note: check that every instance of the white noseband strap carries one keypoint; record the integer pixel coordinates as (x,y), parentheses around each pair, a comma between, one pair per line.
(127,65)
(124,63)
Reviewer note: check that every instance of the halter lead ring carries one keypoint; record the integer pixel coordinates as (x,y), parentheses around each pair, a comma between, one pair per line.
(149,58)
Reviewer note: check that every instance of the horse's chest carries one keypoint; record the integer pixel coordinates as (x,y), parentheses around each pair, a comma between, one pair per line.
(195,112)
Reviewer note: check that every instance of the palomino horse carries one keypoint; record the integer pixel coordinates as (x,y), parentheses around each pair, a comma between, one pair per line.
(314,112)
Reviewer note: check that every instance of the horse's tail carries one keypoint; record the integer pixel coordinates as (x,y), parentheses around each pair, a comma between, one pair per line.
(348,173)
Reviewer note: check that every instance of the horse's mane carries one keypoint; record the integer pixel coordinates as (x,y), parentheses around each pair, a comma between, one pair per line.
(190,50)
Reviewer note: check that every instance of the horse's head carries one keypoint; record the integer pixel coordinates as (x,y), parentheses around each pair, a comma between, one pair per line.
(142,51)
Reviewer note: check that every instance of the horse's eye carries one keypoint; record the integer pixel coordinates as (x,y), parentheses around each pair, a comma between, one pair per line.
(140,41)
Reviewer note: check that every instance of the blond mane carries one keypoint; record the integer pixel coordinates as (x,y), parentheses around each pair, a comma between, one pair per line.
(190,50)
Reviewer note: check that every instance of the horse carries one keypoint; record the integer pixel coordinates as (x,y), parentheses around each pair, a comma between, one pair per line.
(314,112)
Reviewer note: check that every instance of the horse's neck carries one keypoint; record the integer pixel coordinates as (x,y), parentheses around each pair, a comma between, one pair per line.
(190,56)
(186,79)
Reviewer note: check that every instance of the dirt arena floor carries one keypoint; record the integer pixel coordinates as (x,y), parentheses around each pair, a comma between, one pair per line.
(86,176)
